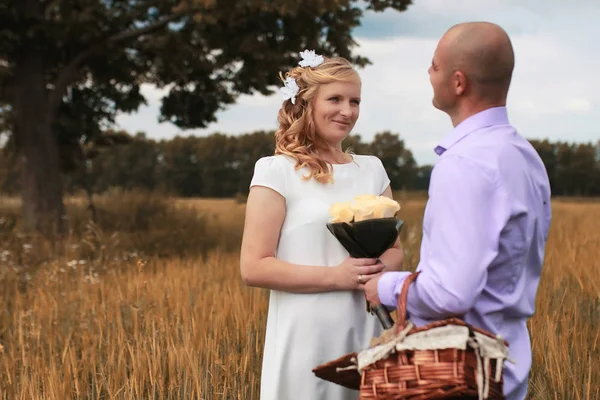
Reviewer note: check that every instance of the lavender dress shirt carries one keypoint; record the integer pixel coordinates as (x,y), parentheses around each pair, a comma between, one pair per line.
(484,233)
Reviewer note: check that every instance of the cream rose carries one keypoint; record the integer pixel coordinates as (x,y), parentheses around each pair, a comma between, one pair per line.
(364,207)
(341,212)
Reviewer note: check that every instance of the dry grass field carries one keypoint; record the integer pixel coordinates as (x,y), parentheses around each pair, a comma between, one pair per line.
(148,304)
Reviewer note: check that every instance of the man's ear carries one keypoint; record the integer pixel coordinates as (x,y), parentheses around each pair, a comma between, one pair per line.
(459,83)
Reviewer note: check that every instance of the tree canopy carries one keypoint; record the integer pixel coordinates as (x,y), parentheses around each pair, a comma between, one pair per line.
(67,67)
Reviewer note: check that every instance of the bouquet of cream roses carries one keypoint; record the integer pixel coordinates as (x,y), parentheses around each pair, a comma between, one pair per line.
(367,226)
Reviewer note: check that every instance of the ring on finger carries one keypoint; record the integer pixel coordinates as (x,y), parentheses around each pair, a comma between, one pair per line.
(360,279)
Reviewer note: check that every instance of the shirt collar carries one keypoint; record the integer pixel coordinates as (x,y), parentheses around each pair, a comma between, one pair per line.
(483,119)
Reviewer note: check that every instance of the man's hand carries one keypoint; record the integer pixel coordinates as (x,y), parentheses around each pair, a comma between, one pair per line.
(371,290)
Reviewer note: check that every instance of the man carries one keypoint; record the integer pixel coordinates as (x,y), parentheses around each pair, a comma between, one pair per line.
(487,218)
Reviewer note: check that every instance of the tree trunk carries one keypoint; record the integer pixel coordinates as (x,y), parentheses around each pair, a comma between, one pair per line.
(37,148)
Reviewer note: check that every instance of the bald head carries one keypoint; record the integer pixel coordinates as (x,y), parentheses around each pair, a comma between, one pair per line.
(484,53)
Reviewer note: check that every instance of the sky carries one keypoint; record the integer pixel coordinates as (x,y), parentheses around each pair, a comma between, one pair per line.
(555,91)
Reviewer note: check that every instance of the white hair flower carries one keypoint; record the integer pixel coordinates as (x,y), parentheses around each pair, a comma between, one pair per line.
(289,90)
(310,59)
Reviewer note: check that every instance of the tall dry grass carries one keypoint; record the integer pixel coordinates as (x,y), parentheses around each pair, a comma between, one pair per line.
(121,324)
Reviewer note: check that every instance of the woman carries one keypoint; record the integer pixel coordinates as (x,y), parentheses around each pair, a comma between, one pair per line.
(317,305)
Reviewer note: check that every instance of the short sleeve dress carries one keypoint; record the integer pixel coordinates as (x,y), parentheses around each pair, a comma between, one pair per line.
(306,330)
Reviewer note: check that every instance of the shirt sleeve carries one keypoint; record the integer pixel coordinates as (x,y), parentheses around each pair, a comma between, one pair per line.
(467,211)
(382,176)
(268,173)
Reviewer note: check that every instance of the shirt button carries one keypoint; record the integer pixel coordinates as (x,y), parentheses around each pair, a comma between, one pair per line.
(514,280)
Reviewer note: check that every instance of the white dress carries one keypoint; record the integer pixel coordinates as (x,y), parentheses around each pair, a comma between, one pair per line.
(306,330)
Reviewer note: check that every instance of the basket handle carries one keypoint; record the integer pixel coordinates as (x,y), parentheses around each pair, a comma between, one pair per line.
(402,299)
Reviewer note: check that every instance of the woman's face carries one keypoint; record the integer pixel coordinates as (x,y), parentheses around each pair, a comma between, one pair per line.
(335,110)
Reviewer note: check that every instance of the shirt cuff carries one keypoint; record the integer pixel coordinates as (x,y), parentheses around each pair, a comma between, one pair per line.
(389,286)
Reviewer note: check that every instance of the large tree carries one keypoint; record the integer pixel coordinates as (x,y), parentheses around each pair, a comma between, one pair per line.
(67,67)
(396,158)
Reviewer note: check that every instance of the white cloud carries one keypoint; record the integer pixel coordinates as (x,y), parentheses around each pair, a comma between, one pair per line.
(260,101)
(569,107)
(153,94)
(525,105)
(580,106)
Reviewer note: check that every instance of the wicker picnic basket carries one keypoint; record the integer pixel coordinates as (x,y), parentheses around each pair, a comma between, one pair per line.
(446,359)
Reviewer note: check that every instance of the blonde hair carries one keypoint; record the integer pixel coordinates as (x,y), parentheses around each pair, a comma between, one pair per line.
(297,136)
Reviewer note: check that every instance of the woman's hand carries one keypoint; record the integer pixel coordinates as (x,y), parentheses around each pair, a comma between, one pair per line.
(354,273)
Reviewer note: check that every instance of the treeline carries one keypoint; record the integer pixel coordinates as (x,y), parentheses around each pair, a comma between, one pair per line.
(222,165)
